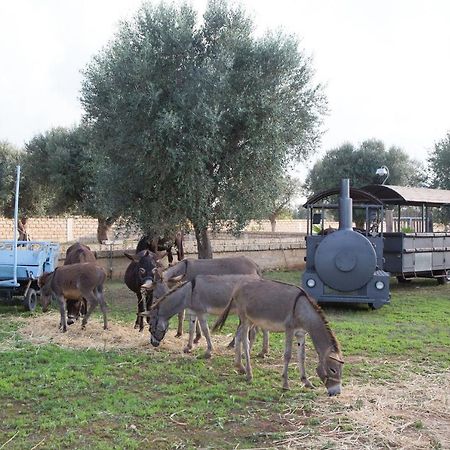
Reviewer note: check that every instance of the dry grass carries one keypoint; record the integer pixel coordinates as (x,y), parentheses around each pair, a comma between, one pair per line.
(412,414)
(43,329)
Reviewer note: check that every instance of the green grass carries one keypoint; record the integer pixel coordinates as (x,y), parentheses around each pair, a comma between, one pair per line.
(60,398)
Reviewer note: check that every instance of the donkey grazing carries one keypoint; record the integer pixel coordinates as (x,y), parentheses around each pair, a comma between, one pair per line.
(77,253)
(205,294)
(82,280)
(279,307)
(188,269)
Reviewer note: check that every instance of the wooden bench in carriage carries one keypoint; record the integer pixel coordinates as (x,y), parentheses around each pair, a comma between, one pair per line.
(21,264)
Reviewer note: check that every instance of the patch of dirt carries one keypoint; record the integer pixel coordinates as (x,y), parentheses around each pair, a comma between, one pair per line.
(43,329)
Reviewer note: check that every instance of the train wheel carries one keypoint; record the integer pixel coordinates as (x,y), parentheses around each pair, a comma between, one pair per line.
(30,300)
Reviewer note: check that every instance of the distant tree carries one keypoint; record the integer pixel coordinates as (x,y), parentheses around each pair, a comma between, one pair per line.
(360,164)
(10,157)
(197,118)
(439,167)
(61,171)
(439,164)
(284,190)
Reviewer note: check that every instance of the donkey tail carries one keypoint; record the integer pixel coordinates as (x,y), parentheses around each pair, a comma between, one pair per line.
(220,322)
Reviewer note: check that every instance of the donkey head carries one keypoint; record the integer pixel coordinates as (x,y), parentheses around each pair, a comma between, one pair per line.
(329,371)
(44,282)
(158,327)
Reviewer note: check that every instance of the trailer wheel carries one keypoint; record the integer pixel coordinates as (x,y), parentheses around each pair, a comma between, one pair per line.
(444,280)
(30,300)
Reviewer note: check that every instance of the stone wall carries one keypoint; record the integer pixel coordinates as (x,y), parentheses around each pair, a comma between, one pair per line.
(268,250)
(84,229)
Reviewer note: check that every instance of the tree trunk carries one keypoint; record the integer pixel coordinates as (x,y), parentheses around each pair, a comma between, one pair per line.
(104,226)
(203,243)
(273,222)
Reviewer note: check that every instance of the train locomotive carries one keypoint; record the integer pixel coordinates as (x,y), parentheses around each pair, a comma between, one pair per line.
(346,265)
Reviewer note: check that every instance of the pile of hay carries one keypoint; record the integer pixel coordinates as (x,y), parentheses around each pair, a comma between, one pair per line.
(407,414)
(43,329)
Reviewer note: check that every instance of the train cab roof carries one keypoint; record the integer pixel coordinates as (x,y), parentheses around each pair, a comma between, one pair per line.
(378,194)
(405,195)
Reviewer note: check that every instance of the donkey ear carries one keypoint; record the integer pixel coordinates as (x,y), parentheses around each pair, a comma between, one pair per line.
(132,257)
(176,279)
(336,359)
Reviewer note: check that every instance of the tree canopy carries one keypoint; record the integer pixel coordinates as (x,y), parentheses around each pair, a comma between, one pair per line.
(60,173)
(359,164)
(439,164)
(10,157)
(195,119)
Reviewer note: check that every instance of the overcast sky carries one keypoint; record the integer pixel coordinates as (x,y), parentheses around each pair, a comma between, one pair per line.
(385,64)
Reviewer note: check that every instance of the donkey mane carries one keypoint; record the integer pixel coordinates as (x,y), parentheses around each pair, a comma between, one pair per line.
(319,310)
(334,342)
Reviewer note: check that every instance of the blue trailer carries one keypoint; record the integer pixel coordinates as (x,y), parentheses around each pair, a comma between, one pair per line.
(23,262)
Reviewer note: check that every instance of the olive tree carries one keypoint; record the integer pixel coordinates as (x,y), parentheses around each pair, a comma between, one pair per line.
(196,118)
(61,175)
(359,164)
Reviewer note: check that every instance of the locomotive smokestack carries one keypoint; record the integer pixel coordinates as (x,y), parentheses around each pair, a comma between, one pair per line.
(345,206)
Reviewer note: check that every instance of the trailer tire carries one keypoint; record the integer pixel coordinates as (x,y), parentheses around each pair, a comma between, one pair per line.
(30,300)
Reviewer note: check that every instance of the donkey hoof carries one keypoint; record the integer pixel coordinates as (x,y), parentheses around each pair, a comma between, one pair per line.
(241,369)
(307,384)
(178,335)
(197,338)
(207,355)
(187,349)
(262,355)
(285,387)
(249,378)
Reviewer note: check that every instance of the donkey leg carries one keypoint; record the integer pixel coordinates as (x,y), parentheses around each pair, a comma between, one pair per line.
(265,347)
(192,322)
(198,333)
(246,346)
(238,352)
(233,341)
(180,324)
(205,330)
(287,356)
(141,308)
(101,301)
(62,310)
(300,335)
(92,303)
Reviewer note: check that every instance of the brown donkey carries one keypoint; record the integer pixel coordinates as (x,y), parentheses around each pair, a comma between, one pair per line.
(281,307)
(82,280)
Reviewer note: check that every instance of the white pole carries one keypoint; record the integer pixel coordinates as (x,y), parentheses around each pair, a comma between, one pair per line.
(16,218)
